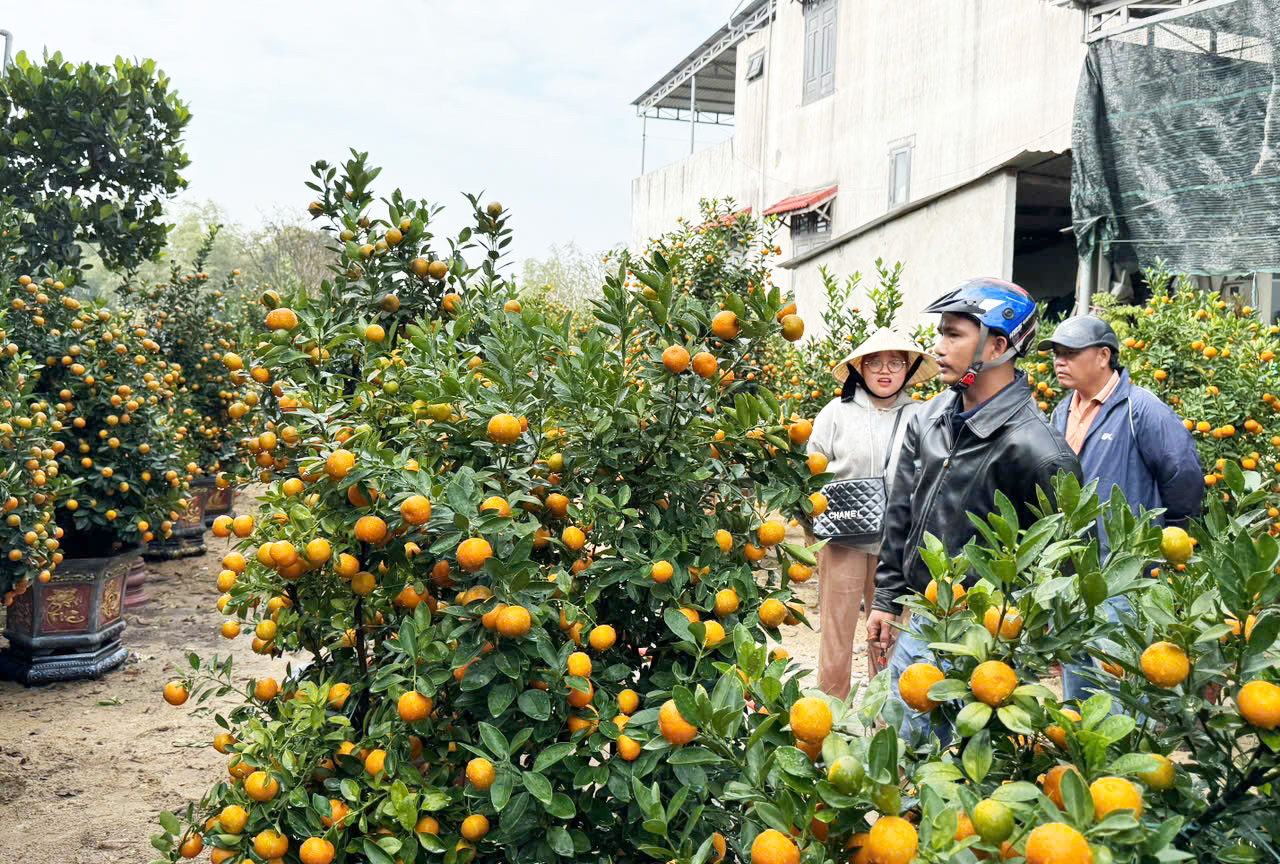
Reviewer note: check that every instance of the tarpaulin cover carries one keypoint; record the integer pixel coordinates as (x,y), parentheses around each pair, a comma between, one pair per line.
(1176,143)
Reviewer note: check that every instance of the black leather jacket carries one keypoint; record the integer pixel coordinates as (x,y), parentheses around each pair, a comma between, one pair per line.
(1008,445)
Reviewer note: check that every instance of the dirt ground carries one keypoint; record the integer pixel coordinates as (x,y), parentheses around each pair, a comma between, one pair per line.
(86,767)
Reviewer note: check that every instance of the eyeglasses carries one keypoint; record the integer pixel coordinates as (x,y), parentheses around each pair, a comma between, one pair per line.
(878,365)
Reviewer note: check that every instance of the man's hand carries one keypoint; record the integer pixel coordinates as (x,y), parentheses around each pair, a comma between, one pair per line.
(881,635)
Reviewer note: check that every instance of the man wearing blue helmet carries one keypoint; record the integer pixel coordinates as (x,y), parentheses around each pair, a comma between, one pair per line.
(986,435)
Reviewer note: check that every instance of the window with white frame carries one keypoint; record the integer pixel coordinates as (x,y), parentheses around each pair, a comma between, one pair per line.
(819,49)
(811,229)
(899,175)
(755,65)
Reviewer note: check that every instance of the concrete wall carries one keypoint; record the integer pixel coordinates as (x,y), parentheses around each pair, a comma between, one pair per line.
(661,197)
(970,83)
(956,237)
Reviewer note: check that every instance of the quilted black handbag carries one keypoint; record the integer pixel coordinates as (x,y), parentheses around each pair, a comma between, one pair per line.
(856,507)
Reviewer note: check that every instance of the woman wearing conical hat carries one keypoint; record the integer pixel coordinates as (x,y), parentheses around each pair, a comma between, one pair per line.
(860,433)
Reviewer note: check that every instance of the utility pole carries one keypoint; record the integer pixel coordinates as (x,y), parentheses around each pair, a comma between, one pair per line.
(693,109)
(644,139)
(8,48)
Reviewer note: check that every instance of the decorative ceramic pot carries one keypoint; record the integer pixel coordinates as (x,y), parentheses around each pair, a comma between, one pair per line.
(219,502)
(135,586)
(69,628)
(188,532)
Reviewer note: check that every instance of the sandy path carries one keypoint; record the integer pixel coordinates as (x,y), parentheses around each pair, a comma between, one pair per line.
(85,767)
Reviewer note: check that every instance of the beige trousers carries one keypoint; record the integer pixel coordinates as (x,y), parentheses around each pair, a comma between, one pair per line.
(846,584)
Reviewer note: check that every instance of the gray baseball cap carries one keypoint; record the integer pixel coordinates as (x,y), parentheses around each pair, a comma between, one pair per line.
(1082,331)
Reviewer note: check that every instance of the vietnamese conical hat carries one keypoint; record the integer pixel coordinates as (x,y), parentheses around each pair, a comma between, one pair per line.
(888,339)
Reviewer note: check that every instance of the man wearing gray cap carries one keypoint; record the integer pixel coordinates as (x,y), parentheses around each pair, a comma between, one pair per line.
(1124,436)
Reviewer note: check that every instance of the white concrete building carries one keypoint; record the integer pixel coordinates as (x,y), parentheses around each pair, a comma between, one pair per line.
(934,132)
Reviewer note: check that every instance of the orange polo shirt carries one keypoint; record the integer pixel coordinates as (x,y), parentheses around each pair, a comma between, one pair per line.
(1080,415)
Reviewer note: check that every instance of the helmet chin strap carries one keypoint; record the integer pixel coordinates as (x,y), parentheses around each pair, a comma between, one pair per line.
(977,366)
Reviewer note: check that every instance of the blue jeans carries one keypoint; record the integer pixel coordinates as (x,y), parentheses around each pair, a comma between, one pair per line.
(910,648)
(1074,684)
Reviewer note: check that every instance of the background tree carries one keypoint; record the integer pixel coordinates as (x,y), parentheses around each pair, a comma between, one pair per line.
(567,275)
(285,252)
(89,154)
(281,252)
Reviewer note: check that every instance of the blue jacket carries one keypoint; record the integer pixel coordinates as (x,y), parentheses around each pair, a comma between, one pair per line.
(1137,443)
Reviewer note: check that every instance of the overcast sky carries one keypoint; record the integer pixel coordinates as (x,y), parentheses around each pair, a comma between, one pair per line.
(527,101)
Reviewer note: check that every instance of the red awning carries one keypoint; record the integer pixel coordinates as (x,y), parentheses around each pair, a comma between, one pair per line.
(802,203)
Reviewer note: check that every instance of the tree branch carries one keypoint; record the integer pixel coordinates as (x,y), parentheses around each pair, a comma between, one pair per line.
(1259,774)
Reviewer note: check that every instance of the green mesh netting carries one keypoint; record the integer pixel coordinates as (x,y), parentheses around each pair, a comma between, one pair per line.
(1176,143)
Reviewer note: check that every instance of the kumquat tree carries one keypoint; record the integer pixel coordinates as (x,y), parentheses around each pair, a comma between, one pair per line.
(195,323)
(530,581)
(518,565)
(30,483)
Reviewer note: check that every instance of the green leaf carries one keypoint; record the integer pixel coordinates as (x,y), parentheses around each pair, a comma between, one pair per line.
(1019,790)
(1015,718)
(552,755)
(774,817)
(948,689)
(535,704)
(794,762)
(1077,798)
(170,823)
(655,826)
(500,791)
(972,718)
(977,756)
(1116,727)
(409,637)
(800,553)
(763,729)
(1035,691)
(678,624)
(560,842)
(1215,632)
(953,648)
(882,756)
(495,741)
(693,756)
(539,787)
(1134,763)
(1234,477)
(1095,709)
(561,806)
(685,703)
(374,853)
(501,697)
(1164,835)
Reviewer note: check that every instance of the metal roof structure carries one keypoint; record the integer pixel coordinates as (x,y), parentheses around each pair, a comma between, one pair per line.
(1104,18)
(701,87)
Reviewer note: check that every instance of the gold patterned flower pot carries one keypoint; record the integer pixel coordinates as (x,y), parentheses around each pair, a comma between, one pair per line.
(69,628)
(188,532)
(219,502)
